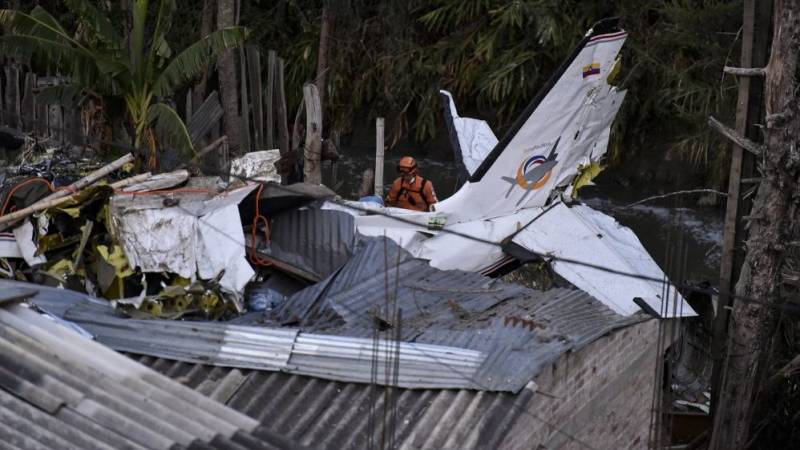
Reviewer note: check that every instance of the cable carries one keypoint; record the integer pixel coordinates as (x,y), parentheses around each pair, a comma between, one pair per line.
(445,230)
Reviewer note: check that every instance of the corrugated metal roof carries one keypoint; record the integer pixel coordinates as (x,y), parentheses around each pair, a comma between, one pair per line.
(326,356)
(315,240)
(333,357)
(336,415)
(61,390)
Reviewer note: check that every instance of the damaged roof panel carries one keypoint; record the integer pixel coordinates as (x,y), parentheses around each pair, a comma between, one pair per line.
(61,390)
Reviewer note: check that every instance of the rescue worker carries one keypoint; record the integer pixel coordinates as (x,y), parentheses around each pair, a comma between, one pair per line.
(410,190)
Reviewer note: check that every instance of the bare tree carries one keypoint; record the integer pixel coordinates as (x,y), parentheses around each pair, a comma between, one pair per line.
(226,66)
(774,212)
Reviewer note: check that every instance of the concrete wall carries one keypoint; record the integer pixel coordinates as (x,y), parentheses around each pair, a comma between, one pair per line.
(599,397)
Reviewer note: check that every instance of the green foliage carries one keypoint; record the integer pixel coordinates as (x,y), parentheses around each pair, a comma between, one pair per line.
(390,59)
(135,66)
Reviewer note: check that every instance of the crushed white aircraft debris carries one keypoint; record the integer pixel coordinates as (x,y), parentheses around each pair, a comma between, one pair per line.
(517,191)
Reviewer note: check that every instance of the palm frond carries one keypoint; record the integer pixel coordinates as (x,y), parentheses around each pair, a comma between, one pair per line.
(159,48)
(57,54)
(191,62)
(169,128)
(96,21)
(39,23)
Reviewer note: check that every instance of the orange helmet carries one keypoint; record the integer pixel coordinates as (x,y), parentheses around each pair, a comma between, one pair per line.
(407,164)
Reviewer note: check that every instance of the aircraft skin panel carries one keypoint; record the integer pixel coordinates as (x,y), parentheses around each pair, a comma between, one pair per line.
(563,130)
(472,139)
(586,238)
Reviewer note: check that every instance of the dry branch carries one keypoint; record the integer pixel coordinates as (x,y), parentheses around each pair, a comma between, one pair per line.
(734,136)
(672,194)
(746,71)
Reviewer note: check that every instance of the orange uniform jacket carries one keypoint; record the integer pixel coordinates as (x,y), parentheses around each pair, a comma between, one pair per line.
(417,195)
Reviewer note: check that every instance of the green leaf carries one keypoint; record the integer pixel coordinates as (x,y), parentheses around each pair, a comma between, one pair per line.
(96,21)
(137,38)
(51,52)
(159,49)
(191,62)
(169,128)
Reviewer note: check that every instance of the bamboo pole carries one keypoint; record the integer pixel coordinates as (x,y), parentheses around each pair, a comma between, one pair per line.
(91,178)
(45,203)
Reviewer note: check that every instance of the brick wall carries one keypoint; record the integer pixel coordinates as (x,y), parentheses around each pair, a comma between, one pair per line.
(599,397)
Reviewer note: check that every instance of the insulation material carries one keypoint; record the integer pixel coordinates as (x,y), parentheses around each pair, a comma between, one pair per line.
(608,252)
(196,238)
(28,249)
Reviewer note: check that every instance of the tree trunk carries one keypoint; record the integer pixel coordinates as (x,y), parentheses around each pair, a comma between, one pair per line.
(774,210)
(229,88)
(206,26)
(322,56)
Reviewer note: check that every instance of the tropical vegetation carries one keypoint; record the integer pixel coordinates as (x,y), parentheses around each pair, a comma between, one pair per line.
(104,58)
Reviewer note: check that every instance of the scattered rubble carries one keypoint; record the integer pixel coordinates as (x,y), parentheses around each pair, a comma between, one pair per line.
(166,245)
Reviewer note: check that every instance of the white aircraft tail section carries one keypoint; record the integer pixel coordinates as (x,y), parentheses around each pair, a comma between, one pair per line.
(565,126)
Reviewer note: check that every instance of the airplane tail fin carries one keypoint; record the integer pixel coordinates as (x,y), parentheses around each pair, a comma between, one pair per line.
(574,109)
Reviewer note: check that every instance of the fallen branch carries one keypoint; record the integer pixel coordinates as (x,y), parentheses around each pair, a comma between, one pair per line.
(734,136)
(672,194)
(746,71)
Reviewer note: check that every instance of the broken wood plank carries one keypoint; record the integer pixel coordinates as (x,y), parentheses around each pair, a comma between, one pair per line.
(29,102)
(12,100)
(55,122)
(254,76)
(312,168)
(205,119)
(280,108)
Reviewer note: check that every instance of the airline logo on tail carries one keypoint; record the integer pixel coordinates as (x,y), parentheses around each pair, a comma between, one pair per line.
(535,171)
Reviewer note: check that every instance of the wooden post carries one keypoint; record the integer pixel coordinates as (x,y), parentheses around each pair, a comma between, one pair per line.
(41,119)
(55,122)
(280,109)
(29,103)
(254,75)
(312,172)
(189,105)
(270,98)
(733,211)
(12,104)
(244,117)
(379,151)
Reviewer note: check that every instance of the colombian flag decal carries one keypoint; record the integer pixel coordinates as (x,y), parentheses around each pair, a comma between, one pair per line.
(591,69)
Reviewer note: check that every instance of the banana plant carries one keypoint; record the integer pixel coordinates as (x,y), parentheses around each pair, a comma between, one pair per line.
(140,68)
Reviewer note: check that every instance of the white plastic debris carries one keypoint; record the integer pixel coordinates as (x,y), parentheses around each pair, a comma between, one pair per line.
(197,236)
(256,166)
(27,248)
